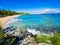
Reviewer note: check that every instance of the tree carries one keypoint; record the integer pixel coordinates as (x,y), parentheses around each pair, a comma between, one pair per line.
(4,13)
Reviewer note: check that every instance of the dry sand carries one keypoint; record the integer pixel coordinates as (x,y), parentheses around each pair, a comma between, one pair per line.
(4,20)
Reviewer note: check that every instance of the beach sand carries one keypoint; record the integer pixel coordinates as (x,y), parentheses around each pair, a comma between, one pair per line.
(4,20)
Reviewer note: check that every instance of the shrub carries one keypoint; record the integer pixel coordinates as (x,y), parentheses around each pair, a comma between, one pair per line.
(56,39)
(1,32)
(41,38)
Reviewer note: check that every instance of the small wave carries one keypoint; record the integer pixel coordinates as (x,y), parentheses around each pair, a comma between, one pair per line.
(33,31)
(14,20)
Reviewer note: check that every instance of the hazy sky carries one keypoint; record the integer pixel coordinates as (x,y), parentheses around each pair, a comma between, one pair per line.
(20,5)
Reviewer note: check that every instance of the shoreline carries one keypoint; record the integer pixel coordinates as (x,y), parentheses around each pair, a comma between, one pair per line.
(4,20)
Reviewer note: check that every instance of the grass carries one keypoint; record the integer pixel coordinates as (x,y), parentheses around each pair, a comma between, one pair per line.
(11,41)
(40,38)
(1,32)
(55,40)
(5,39)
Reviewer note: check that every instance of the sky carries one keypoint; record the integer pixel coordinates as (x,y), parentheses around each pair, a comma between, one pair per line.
(33,6)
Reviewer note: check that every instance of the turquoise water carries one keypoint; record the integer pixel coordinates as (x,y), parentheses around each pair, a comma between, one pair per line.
(36,21)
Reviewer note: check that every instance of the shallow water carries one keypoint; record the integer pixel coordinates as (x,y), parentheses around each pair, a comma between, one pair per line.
(36,21)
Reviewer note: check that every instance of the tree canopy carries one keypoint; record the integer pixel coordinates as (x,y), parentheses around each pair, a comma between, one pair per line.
(4,13)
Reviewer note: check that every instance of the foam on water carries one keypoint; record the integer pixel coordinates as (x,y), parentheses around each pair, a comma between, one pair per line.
(43,22)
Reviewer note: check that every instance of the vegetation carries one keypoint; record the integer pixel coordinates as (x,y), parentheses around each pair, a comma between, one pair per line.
(1,32)
(56,39)
(40,38)
(8,40)
(24,13)
(4,13)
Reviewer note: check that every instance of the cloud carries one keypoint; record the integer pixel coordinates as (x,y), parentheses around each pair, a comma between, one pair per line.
(40,11)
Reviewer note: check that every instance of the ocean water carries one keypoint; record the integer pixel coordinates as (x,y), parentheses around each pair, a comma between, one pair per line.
(36,21)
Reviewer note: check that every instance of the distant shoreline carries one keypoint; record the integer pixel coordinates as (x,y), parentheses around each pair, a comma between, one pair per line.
(4,20)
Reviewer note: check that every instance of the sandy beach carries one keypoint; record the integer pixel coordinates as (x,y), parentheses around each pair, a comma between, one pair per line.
(4,20)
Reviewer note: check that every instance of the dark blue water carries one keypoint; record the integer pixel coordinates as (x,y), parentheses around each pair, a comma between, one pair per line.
(36,21)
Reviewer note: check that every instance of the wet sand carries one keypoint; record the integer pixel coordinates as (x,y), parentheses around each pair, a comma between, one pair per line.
(4,20)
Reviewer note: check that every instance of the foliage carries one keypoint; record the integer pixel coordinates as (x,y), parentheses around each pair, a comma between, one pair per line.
(24,13)
(56,39)
(11,41)
(5,40)
(4,13)
(40,38)
(1,32)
